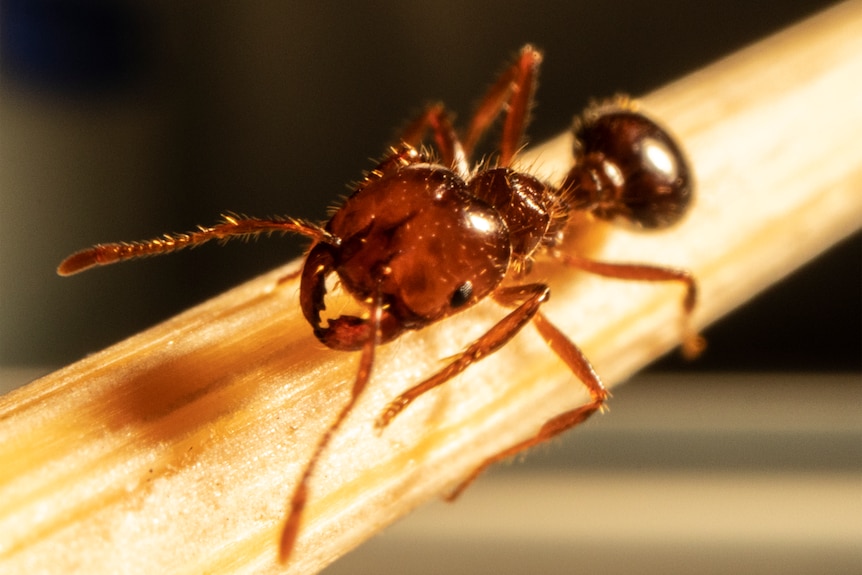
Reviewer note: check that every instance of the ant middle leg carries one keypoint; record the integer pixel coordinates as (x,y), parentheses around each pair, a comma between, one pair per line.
(575,359)
(451,151)
(513,92)
(530,297)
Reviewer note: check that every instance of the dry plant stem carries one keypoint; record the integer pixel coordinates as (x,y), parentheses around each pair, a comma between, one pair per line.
(176,450)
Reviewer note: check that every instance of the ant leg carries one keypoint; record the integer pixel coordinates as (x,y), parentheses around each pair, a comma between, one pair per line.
(583,370)
(451,151)
(513,91)
(300,494)
(231,227)
(532,297)
(693,344)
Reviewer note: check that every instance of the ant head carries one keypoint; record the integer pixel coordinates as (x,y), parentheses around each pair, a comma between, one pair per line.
(413,237)
(627,168)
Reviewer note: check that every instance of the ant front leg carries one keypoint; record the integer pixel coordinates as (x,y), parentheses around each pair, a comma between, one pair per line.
(693,344)
(298,501)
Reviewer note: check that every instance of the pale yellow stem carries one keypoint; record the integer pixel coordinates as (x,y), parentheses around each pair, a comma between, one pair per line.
(176,450)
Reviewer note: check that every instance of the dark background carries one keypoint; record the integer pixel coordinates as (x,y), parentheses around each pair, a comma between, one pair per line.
(122,120)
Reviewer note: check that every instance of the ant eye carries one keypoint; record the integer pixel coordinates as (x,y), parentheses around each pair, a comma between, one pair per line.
(462,295)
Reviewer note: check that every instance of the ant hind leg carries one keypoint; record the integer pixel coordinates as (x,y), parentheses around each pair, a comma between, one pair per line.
(693,343)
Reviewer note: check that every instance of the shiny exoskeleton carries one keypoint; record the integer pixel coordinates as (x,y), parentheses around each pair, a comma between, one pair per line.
(425,236)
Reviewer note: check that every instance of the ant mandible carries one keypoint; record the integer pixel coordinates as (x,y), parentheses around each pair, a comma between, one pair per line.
(422,238)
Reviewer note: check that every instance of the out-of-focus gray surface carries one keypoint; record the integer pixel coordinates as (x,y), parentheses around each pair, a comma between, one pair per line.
(740,475)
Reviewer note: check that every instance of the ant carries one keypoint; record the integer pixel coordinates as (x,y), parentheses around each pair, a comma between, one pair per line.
(425,236)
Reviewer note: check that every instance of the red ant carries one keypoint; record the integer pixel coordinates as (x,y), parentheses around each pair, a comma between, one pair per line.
(422,238)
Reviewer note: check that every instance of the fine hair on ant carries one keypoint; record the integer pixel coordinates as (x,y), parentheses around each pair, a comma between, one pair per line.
(427,235)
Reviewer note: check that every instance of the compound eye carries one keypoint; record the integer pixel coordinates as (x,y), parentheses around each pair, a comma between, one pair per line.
(462,295)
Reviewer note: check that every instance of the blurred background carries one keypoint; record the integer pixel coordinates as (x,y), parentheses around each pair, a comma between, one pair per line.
(125,119)
(120,120)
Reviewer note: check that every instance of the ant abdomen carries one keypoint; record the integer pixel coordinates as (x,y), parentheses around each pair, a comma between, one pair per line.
(627,168)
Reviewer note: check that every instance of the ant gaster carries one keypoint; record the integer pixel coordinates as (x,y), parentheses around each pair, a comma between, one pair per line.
(422,238)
